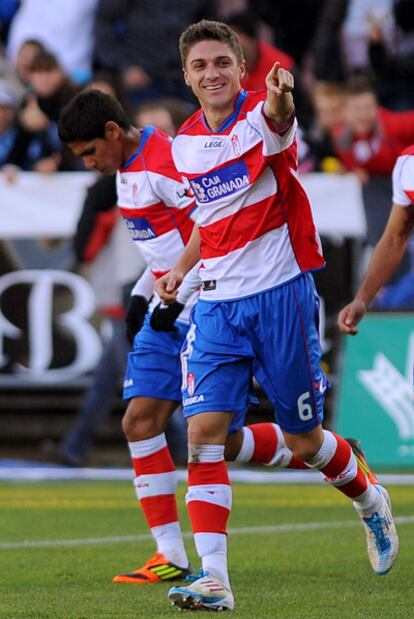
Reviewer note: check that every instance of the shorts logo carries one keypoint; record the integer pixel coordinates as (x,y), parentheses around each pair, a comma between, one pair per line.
(221,183)
(140,228)
(236,144)
(190,383)
(128,383)
(193,400)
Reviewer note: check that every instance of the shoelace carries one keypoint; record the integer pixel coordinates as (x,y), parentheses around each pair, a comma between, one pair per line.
(377,524)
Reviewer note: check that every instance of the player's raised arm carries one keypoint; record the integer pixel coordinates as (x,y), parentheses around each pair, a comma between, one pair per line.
(167,286)
(279,105)
(386,257)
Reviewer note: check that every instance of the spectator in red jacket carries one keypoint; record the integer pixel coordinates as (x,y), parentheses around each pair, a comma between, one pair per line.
(371,136)
(368,144)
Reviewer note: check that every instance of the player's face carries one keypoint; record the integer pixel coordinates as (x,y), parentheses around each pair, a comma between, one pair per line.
(213,73)
(101,154)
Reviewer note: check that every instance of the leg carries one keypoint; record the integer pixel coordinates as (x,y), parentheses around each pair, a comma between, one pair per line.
(216,377)
(261,443)
(153,380)
(209,502)
(336,460)
(297,386)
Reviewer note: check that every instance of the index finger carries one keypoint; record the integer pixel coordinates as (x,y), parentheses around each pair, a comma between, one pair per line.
(274,71)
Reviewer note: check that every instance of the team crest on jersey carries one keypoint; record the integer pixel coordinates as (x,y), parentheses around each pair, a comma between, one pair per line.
(236,144)
(190,383)
(221,183)
(140,228)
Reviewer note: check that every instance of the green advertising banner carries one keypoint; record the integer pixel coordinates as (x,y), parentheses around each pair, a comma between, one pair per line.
(375,401)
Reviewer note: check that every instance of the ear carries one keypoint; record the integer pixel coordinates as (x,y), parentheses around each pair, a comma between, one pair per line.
(186,78)
(242,69)
(112,130)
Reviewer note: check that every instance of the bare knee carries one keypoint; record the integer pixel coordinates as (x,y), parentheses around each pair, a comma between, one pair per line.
(142,420)
(208,428)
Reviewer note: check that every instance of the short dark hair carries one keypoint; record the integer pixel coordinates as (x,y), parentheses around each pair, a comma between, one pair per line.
(208,30)
(44,61)
(85,116)
(358,84)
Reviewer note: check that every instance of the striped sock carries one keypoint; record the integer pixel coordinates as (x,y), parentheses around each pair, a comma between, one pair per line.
(265,443)
(155,485)
(209,503)
(337,462)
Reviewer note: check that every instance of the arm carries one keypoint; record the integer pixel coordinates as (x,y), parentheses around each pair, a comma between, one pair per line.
(164,316)
(144,286)
(138,304)
(167,286)
(279,105)
(190,284)
(385,259)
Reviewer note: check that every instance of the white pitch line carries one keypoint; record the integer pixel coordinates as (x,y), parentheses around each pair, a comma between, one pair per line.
(120,539)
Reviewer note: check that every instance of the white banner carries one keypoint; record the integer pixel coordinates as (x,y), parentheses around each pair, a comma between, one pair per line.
(40,205)
(37,205)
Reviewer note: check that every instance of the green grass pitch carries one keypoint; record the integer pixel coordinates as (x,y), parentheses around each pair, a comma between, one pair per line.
(318,570)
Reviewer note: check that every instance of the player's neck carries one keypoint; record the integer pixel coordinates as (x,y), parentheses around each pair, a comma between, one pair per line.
(215,117)
(131,143)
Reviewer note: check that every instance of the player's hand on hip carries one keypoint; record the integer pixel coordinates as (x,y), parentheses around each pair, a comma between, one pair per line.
(350,316)
(279,81)
(167,285)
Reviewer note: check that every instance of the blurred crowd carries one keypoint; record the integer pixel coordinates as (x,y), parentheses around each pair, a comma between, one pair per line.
(353,62)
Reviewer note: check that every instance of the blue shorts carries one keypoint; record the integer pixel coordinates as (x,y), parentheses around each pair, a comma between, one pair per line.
(153,368)
(273,335)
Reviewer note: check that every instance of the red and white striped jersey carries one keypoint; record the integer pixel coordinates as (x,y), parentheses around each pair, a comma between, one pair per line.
(255,220)
(403,178)
(155,203)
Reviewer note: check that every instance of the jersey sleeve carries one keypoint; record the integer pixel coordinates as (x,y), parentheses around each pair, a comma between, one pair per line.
(144,286)
(172,189)
(275,139)
(403,181)
(190,284)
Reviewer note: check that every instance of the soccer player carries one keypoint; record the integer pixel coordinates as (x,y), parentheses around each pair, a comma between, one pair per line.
(390,248)
(156,205)
(258,307)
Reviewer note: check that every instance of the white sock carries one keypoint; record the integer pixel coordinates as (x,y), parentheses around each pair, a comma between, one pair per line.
(369,501)
(170,543)
(212,548)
